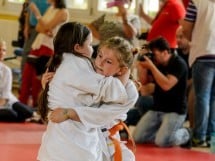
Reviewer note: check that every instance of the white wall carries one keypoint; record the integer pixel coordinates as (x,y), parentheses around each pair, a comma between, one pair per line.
(8,32)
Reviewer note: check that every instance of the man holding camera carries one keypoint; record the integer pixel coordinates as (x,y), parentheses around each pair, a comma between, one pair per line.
(163,124)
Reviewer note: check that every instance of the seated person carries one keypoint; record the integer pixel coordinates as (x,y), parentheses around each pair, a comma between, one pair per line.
(11,110)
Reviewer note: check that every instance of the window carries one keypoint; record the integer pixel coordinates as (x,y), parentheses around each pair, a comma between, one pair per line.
(11,6)
(151,6)
(16,1)
(77,4)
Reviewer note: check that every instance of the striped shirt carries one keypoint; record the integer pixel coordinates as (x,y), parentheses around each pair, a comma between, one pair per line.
(191,12)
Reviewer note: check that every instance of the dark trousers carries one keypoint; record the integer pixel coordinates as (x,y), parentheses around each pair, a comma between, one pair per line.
(143,104)
(18,113)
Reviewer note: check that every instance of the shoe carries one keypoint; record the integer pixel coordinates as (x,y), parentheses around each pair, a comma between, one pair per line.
(36,118)
(208,141)
(188,144)
(199,143)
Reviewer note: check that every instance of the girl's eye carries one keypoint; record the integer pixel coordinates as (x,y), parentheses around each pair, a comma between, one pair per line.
(99,55)
(109,62)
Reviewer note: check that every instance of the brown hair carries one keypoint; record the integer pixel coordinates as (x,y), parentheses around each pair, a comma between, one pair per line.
(69,34)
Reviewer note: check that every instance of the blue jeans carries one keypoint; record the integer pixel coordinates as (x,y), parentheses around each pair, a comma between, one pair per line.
(163,129)
(203,73)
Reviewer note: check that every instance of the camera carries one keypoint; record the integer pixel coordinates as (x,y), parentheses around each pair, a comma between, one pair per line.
(147,53)
(150,55)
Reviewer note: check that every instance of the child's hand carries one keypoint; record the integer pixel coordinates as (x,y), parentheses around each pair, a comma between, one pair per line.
(46,77)
(137,84)
(3,101)
(125,74)
(59,115)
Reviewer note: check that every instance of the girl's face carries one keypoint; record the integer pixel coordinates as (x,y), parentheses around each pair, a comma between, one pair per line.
(106,62)
(86,49)
(2,51)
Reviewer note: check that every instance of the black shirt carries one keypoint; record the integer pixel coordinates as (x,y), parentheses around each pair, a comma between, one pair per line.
(173,100)
(185,57)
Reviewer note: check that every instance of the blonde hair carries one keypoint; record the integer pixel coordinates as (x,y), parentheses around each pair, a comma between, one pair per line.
(123,50)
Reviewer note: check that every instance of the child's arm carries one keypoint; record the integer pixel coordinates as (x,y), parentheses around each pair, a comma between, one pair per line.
(97,117)
(93,88)
(61,114)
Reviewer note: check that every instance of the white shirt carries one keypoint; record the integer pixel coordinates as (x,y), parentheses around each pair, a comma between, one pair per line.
(203,35)
(43,39)
(6,85)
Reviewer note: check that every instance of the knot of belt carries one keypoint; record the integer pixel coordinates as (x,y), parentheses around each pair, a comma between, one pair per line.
(118,152)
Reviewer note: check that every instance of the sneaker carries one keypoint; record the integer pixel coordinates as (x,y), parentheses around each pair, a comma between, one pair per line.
(208,141)
(36,118)
(199,143)
(188,144)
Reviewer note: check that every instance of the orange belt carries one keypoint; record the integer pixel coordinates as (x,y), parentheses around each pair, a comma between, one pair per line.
(118,152)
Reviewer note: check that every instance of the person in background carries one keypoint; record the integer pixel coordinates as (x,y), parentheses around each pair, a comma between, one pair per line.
(185,2)
(30,34)
(120,24)
(41,49)
(29,27)
(166,21)
(22,18)
(11,110)
(183,46)
(198,28)
(145,101)
(76,54)
(183,50)
(165,24)
(163,124)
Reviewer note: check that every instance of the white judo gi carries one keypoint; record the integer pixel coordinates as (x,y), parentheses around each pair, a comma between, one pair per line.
(76,85)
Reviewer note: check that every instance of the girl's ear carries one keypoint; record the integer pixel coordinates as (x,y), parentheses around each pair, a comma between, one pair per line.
(77,47)
(122,71)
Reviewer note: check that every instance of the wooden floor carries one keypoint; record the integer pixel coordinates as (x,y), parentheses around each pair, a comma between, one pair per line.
(20,142)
